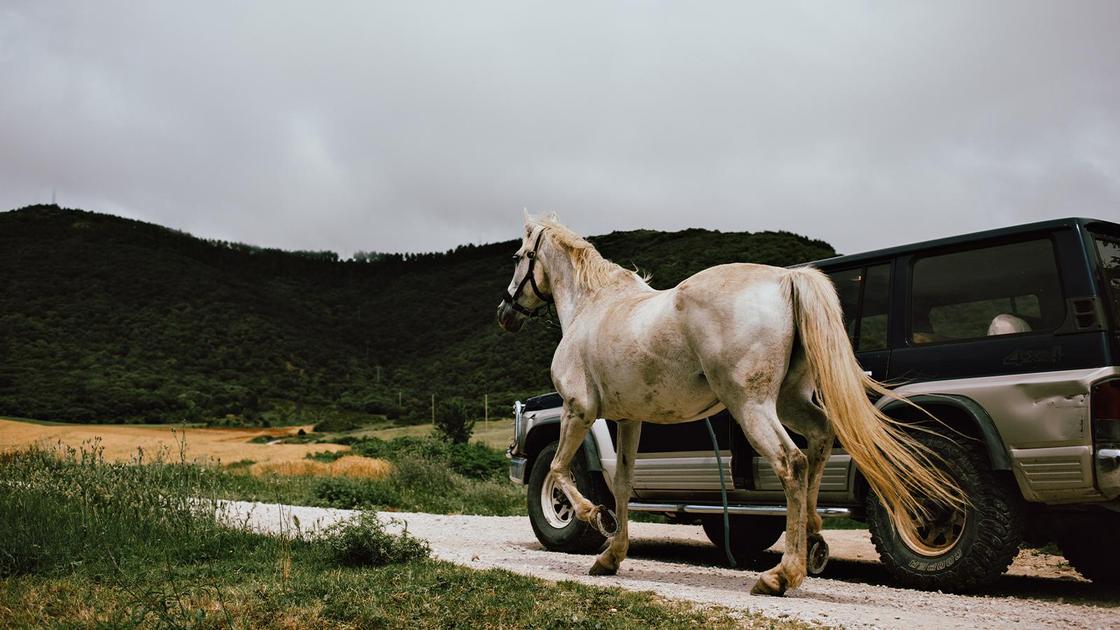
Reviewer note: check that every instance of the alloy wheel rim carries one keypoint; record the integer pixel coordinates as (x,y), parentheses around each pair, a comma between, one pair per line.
(934,537)
(557,509)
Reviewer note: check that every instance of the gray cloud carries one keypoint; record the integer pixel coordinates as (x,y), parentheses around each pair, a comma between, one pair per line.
(418,125)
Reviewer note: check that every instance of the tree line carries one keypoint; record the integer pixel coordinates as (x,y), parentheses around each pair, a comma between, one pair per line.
(105,319)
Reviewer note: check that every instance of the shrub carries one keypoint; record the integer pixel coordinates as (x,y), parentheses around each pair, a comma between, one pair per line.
(325,457)
(368,447)
(470,460)
(454,421)
(363,541)
(343,492)
(478,461)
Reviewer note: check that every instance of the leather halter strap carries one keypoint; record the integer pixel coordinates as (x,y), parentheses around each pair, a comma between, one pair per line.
(531,280)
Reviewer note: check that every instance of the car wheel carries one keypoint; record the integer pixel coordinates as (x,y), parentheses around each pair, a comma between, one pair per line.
(1082,545)
(955,550)
(750,535)
(551,514)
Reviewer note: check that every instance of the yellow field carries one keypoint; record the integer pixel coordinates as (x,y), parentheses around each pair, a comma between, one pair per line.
(121,441)
(345,466)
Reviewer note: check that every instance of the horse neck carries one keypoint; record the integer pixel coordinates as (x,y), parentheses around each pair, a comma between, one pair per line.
(569,295)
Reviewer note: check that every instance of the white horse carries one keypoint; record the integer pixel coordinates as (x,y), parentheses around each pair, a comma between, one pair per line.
(757,340)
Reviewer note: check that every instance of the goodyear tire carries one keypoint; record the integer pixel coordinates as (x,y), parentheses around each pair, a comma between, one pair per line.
(1081,540)
(958,550)
(553,519)
(750,535)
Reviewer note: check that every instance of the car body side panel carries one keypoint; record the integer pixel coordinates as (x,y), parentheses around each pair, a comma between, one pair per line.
(1044,422)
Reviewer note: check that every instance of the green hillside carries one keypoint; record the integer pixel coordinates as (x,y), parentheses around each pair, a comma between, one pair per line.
(104,319)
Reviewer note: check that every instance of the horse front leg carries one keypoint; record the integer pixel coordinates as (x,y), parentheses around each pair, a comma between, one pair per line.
(573,428)
(608,562)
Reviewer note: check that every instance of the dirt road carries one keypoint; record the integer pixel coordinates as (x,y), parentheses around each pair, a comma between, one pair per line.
(677,561)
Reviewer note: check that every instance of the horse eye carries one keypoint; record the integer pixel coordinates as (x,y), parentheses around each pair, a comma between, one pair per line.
(517,257)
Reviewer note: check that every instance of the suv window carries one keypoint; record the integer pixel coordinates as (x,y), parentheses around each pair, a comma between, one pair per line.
(848,285)
(999,290)
(873,313)
(1109,249)
(864,290)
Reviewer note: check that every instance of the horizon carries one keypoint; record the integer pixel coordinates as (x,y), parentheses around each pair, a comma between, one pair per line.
(351,257)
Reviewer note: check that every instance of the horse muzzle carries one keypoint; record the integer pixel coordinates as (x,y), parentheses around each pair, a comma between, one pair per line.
(509,319)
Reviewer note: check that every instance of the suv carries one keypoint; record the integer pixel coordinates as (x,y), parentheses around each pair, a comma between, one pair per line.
(1010,338)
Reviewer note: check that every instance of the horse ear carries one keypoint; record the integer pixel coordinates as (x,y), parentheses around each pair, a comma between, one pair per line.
(528,222)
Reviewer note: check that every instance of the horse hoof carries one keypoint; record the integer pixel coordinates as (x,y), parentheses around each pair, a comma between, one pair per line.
(818,554)
(769,584)
(601,569)
(606,521)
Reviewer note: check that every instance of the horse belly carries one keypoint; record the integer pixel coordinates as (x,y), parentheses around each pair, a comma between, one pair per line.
(661,396)
(644,365)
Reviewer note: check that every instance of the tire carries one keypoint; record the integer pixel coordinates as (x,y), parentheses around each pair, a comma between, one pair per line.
(553,521)
(750,535)
(970,548)
(1084,544)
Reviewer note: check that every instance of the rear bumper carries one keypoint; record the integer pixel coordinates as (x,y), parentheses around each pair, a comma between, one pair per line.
(517,468)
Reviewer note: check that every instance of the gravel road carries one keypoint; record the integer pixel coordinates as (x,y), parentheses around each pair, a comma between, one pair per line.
(676,561)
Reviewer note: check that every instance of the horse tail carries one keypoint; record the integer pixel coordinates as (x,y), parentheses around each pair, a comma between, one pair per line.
(897,467)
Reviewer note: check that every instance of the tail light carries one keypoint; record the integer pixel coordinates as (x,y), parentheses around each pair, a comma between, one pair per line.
(1105,403)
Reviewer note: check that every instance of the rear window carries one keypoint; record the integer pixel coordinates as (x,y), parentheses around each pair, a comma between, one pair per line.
(998,290)
(864,295)
(1109,249)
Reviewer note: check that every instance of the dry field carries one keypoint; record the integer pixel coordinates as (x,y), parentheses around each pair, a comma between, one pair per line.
(353,466)
(121,441)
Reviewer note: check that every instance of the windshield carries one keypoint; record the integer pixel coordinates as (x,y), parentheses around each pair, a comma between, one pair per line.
(1109,249)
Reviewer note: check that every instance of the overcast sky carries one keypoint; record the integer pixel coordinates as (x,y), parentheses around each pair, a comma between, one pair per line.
(416,126)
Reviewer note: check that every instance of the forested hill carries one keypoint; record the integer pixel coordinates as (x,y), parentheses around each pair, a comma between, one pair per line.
(106,319)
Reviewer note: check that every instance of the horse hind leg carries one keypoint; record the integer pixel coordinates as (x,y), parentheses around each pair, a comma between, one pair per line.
(759,421)
(804,417)
(798,412)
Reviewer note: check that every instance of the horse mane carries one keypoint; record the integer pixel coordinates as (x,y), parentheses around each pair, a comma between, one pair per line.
(592,271)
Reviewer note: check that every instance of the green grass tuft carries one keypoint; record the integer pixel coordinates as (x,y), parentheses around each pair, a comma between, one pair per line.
(363,542)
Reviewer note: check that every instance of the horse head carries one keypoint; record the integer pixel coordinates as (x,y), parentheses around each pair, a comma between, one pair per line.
(528,290)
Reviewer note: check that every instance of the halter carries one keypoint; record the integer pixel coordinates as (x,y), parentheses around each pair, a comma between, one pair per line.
(531,280)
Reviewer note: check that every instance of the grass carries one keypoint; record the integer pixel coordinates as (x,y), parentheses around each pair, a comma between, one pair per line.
(85,543)
(426,476)
(496,433)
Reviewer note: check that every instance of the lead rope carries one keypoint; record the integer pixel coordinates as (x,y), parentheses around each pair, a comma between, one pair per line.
(723,493)
(549,318)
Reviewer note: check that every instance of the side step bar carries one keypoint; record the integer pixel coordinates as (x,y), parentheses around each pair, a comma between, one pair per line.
(753,510)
